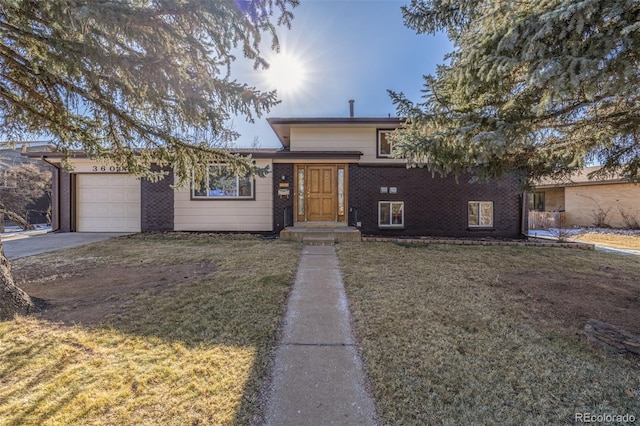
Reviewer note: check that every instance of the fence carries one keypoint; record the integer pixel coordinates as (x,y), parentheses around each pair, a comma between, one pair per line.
(546,220)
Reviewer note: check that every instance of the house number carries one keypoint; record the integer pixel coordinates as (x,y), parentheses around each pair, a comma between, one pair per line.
(108,169)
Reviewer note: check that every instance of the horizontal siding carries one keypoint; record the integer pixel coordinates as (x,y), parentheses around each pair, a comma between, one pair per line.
(582,202)
(108,203)
(361,139)
(227,215)
(554,199)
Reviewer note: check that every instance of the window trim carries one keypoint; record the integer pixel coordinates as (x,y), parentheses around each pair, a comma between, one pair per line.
(378,153)
(479,225)
(195,197)
(390,225)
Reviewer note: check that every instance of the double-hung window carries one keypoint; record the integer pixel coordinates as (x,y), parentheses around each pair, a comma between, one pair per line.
(391,214)
(480,214)
(221,183)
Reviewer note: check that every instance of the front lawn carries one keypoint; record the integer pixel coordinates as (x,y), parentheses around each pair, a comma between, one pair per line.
(150,329)
(491,335)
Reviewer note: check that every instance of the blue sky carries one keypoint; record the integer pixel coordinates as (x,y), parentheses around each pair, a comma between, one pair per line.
(354,49)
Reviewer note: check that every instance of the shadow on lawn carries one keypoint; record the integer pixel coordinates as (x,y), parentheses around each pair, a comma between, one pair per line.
(192,300)
(212,312)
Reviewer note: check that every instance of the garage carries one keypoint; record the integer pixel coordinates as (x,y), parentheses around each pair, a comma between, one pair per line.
(107,203)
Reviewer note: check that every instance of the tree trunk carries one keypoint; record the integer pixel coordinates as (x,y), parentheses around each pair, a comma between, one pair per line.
(12,299)
(612,338)
(17,219)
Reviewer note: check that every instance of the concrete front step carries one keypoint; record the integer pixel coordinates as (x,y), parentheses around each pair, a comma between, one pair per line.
(319,241)
(341,234)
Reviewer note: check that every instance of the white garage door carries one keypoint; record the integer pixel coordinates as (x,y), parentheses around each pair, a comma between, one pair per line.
(108,203)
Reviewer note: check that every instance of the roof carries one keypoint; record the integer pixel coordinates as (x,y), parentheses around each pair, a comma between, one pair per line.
(269,153)
(282,126)
(581,178)
(254,152)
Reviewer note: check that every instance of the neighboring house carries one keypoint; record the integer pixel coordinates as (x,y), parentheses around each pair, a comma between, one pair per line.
(13,157)
(332,172)
(588,202)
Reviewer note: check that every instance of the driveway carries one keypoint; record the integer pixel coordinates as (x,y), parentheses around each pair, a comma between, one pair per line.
(36,244)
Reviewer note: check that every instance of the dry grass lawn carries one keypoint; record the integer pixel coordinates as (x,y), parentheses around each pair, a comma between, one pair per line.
(187,348)
(491,335)
(630,242)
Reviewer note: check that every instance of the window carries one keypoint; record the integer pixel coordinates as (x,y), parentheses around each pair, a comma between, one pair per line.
(222,183)
(536,201)
(391,214)
(480,213)
(385,146)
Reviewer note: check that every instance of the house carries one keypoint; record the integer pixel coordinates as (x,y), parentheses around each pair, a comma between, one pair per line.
(588,202)
(332,172)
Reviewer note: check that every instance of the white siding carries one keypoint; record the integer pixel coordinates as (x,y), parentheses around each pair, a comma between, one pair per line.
(363,139)
(227,215)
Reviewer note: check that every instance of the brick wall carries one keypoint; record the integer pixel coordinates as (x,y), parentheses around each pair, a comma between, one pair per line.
(65,214)
(156,203)
(279,203)
(432,205)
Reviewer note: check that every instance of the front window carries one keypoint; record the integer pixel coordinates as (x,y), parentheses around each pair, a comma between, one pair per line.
(222,183)
(385,146)
(391,214)
(480,214)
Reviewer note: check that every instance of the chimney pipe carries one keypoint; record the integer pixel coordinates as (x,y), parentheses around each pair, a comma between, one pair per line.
(351,101)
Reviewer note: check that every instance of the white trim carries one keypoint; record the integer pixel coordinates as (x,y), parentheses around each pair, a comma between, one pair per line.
(378,153)
(225,197)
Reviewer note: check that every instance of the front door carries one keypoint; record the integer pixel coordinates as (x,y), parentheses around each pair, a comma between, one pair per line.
(321,192)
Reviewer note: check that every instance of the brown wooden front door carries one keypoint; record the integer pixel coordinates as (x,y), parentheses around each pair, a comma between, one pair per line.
(321,197)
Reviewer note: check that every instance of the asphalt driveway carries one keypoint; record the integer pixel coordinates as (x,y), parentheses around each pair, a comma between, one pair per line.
(36,244)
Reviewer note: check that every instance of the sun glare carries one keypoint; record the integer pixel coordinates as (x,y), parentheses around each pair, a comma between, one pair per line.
(286,73)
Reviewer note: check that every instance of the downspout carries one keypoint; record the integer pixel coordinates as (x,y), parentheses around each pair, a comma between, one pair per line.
(524,215)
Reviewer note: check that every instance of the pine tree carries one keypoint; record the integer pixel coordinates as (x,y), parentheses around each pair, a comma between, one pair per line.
(536,87)
(134,82)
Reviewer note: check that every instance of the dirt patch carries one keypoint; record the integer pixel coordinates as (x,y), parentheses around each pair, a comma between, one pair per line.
(89,294)
(571,299)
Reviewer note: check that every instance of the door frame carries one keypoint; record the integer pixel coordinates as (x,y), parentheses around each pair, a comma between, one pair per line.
(341,172)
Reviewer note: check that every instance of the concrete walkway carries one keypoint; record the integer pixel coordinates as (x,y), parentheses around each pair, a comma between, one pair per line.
(318,377)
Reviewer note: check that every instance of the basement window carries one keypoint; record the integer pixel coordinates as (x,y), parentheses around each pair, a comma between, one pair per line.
(391,214)
(480,214)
